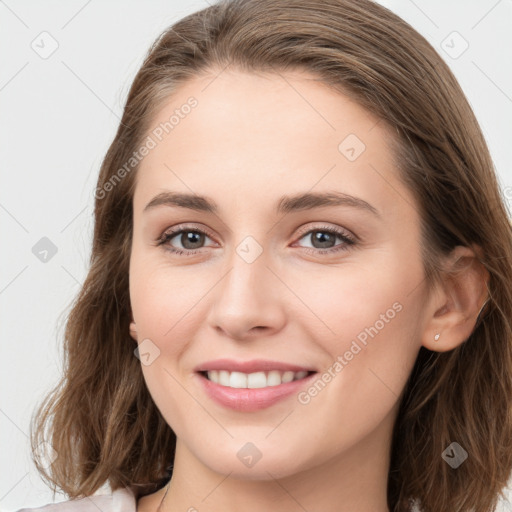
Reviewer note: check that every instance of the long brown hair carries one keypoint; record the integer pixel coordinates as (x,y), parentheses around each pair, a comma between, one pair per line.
(100,419)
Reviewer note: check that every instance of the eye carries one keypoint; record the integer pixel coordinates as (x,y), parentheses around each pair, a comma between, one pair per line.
(191,240)
(323,240)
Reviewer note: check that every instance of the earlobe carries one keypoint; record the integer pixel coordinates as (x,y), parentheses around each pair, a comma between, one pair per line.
(133,331)
(458,302)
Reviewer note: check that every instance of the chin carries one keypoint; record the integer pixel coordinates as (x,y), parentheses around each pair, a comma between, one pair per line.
(269,467)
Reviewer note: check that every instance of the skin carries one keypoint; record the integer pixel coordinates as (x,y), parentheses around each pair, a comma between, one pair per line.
(251,139)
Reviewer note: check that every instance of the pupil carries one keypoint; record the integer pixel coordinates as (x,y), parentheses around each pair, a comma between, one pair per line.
(324,238)
(189,237)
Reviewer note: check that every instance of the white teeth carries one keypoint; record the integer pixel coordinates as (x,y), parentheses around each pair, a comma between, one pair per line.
(237,380)
(223,378)
(273,378)
(256,380)
(287,377)
(253,380)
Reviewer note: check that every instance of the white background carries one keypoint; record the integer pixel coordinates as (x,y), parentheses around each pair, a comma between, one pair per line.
(58,117)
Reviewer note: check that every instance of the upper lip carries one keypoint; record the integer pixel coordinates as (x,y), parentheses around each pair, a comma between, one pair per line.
(254,365)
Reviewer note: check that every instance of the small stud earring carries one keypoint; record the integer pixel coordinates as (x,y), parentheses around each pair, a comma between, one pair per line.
(436,337)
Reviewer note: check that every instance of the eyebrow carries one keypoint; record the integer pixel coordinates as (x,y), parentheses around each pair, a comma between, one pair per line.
(286,204)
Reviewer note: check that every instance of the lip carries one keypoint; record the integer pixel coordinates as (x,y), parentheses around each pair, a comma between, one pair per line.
(251,399)
(254,365)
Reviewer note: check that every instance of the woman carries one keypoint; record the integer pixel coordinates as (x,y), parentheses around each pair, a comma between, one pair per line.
(299,292)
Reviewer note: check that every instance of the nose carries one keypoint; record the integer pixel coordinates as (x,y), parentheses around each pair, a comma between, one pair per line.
(248,301)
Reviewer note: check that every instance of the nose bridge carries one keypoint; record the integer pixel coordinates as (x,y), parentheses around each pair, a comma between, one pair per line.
(248,278)
(244,297)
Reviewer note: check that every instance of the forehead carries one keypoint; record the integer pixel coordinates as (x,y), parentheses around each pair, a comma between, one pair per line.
(266,134)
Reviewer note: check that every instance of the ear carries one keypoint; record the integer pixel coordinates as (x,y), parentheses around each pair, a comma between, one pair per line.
(133,328)
(457,301)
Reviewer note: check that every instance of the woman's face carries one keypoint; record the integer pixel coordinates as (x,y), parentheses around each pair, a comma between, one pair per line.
(293,242)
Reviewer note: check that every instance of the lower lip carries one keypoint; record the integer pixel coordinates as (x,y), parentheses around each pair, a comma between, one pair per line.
(251,399)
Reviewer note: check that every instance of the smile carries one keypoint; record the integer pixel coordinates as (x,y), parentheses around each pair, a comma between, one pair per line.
(253,380)
(249,392)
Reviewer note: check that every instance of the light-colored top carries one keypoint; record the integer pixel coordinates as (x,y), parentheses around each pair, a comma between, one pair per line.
(120,500)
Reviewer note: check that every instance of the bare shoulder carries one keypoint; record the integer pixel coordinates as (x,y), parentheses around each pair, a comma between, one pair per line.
(120,500)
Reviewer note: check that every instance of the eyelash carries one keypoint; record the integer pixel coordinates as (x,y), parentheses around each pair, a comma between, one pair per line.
(167,236)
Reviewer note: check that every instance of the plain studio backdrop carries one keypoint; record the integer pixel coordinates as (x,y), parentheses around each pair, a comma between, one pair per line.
(65,71)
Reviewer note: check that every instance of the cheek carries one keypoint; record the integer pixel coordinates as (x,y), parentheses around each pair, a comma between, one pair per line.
(354,301)
(162,296)
(369,361)
(163,301)
(368,324)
